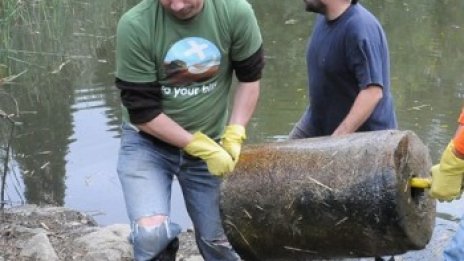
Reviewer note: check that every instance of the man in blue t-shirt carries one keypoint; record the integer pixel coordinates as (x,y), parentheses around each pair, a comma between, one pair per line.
(349,73)
(348,70)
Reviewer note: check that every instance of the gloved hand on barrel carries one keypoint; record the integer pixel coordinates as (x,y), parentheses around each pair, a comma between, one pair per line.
(219,162)
(447,176)
(232,140)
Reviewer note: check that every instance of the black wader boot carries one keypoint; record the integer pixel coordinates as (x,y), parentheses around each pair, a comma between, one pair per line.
(168,254)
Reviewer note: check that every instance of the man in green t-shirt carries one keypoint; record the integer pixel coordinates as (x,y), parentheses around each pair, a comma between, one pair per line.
(175,63)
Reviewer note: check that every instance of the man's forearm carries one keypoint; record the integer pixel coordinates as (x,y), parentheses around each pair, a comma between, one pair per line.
(167,130)
(244,104)
(363,106)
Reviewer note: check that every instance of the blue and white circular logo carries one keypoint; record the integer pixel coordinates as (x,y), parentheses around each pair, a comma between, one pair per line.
(191,60)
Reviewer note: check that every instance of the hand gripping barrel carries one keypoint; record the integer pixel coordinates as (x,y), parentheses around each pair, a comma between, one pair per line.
(329,197)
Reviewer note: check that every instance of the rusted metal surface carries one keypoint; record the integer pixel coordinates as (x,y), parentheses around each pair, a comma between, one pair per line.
(329,197)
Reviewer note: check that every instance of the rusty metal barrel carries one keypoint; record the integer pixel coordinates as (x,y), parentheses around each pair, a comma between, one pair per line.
(329,197)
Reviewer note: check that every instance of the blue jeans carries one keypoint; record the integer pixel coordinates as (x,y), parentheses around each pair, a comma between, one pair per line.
(146,168)
(455,250)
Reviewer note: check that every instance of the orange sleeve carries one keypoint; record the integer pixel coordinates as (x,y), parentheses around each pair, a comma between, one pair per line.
(461,118)
(459,137)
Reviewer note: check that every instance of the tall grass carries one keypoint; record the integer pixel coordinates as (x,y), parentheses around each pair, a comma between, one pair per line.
(45,34)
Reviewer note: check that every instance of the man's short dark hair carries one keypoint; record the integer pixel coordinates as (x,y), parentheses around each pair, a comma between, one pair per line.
(354,2)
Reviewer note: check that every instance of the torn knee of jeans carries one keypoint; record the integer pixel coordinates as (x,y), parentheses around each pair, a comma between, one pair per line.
(218,243)
(151,222)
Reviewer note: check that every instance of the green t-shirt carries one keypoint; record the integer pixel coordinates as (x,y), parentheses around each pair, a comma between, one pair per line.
(190,59)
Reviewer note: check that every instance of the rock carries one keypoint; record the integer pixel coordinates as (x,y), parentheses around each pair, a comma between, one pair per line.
(108,243)
(39,248)
(72,239)
(55,233)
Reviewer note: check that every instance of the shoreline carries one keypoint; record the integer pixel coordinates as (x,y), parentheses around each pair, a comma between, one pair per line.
(53,233)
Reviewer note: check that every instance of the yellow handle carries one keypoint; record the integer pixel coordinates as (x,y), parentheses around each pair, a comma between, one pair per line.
(421,183)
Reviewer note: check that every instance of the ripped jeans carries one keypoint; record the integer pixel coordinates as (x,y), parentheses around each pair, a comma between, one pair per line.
(146,168)
(455,249)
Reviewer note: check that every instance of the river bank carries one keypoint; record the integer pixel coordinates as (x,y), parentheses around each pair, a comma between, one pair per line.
(56,233)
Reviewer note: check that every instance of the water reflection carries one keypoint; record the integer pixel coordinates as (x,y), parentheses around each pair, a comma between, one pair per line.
(66,48)
(91,157)
(67,146)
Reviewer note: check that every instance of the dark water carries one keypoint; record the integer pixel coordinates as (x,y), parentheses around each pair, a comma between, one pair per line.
(65,150)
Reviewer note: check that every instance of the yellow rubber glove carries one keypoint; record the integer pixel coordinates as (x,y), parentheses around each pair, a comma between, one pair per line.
(232,140)
(447,176)
(217,159)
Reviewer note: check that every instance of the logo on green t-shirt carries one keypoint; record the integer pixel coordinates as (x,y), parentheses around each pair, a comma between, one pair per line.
(191,61)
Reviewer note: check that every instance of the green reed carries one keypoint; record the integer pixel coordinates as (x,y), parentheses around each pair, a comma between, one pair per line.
(42,36)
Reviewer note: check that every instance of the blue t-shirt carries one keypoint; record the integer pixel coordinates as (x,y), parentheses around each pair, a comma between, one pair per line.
(344,57)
